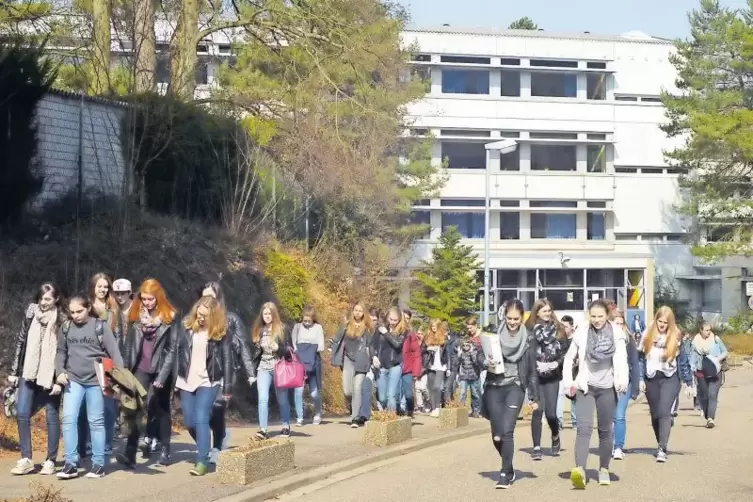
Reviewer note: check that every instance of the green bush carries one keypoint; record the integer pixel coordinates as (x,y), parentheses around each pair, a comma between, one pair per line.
(741,323)
(289,281)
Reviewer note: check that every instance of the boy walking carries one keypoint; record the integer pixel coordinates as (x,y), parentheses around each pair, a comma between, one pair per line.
(469,375)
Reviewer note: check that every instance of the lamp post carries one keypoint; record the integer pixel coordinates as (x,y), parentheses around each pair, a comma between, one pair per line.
(503,146)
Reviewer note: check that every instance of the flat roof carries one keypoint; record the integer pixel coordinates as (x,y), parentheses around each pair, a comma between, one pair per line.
(629,37)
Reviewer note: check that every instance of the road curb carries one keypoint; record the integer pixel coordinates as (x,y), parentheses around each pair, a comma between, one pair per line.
(286,483)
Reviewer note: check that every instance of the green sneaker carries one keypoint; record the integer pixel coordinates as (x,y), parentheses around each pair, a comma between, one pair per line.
(198,470)
(578,478)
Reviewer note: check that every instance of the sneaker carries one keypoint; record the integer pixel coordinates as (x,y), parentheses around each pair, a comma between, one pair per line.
(661,456)
(435,413)
(261,435)
(710,423)
(505,481)
(146,448)
(69,471)
(285,432)
(22,467)
(299,422)
(97,471)
(213,454)
(164,457)
(317,419)
(354,423)
(618,454)
(578,478)
(361,421)
(556,445)
(604,479)
(475,414)
(48,468)
(198,470)
(537,455)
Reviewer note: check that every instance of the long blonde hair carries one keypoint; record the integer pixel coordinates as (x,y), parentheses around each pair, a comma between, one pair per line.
(216,323)
(401,326)
(673,334)
(435,339)
(352,327)
(275,329)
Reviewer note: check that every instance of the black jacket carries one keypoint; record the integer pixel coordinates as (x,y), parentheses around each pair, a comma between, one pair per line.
(388,348)
(19,352)
(241,345)
(284,350)
(529,378)
(219,358)
(427,356)
(163,356)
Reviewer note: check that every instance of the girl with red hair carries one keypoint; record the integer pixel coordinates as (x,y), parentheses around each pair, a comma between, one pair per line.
(148,353)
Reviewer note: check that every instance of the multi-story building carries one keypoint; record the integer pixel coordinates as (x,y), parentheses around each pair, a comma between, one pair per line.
(584,208)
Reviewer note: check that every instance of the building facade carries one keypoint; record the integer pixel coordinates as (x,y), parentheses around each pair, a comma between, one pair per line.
(584,208)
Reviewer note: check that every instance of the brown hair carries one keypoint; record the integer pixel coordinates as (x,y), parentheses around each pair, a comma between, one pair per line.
(275,330)
(472,321)
(352,328)
(113,309)
(673,334)
(435,339)
(540,304)
(309,311)
(216,323)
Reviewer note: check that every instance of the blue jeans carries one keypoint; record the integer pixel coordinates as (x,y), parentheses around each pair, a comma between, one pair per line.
(620,427)
(406,394)
(30,398)
(265,380)
(366,388)
(84,440)
(475,387)
(197,409)
(388,386)
(316,395)
(73,396)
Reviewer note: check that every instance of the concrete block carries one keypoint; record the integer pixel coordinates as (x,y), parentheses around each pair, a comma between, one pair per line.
(452,418)
(388,433)
(257,460)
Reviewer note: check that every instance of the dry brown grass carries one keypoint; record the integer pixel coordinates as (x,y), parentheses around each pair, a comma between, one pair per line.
(384,416)
(454,404)
(741,344)
(9,434)
(42,493)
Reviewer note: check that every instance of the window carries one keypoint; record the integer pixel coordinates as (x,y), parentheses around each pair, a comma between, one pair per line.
(470,225)
(605,278)
(596,66)
(553,203)
(711,295)
(556,85)
(457,81)
(553,226)
(464,155)
(626,237)
(625,98)
(423,58)
(509,134)
(163,69)
(509,203)
(509,61)
(564,299)
(510,85)
(596,227)
(469,133)
(626,169)
(224,48)
(510,161)
(596,86)
(557,278)
(650,99)
(419,217)
(465,59)
(597,204)
(202,72)
(516,279)
(551,63)
(553,135)
(597,158)
(553,157)
(596,136)
(509,226)
(462,202)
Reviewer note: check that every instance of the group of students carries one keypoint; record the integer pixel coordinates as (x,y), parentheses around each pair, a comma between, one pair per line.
(600,367)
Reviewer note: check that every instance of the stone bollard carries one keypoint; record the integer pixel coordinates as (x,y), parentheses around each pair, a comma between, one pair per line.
(452,418)
(385,433)
(257,460)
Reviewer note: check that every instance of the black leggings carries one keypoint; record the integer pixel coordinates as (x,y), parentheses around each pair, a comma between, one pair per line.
(502,405)
(549,391)
(158,403)
(217,424)
(661,392)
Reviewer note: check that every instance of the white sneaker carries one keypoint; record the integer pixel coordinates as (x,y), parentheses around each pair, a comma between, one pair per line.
(48,468)
(435,413)
(317,419)
(299,422)
(22,467)
(213,453)
(618,454)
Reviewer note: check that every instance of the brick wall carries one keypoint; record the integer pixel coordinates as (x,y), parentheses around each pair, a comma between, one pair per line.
(58,116)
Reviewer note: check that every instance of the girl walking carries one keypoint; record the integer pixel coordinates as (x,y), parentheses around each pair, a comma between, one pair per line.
(271,344)
(308,343)
(664,364)
(203,368)
(708,352)
(33,372)
(623,399)
(505,390)
(388,349)
(600,348)
(436,363)
(352,352)
(550,344)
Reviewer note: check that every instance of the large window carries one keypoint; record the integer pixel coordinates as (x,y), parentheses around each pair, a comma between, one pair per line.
(457,81)
(470,225)
(510,161)
(553,157)
(596,86)
(510,85)
(597,158)
(553,226)
(596,227)
(509,226)
(420,217)
(555,85)
(464,155)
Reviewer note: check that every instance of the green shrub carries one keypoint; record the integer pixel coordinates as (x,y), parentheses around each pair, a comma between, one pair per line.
(741,323)
(289,281)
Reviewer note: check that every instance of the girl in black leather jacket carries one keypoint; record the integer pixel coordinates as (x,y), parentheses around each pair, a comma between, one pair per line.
(203,354)
(242,358)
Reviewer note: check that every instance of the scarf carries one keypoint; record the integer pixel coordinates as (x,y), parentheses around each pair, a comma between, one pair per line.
(600,344)
(513,347)
(41,348)
(548,348)
(149,325)
(703,346)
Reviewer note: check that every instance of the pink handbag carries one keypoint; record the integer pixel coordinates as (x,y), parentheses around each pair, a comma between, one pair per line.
(289,374)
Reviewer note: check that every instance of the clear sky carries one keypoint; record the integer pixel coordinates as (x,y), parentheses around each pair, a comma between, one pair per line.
(662,18)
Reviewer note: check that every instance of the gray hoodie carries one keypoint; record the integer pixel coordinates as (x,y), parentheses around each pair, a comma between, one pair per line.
(79,349)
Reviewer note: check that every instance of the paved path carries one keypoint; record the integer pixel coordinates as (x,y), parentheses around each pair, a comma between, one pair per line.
(331,442)
(704,465)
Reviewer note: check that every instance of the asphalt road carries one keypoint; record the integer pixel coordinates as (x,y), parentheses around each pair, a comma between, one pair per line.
(704,465)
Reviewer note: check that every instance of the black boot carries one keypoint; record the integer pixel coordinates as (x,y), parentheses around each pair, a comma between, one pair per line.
(127,458)
(146,447)
(164,456)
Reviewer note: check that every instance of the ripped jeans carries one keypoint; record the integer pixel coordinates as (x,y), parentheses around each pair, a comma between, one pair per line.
(502,406)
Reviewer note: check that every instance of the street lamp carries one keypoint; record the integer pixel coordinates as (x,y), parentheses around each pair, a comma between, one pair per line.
(503,147)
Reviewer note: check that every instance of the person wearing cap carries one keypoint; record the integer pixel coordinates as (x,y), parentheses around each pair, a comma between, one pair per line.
(123,292)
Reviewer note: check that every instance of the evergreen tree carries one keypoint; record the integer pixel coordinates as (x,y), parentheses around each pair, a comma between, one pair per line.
(447,284)
(524,23)
(712,118)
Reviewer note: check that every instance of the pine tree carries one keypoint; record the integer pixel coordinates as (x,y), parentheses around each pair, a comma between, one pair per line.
(524,23)
(447,283)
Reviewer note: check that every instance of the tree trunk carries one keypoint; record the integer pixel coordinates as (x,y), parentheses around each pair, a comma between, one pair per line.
(101,39)
(145,46)
(183,57)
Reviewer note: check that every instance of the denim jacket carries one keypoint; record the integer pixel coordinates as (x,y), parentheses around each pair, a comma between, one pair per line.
(718,351)
(683,366)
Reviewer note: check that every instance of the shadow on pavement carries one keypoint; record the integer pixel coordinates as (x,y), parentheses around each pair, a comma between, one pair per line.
(494,475)
(592,475)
